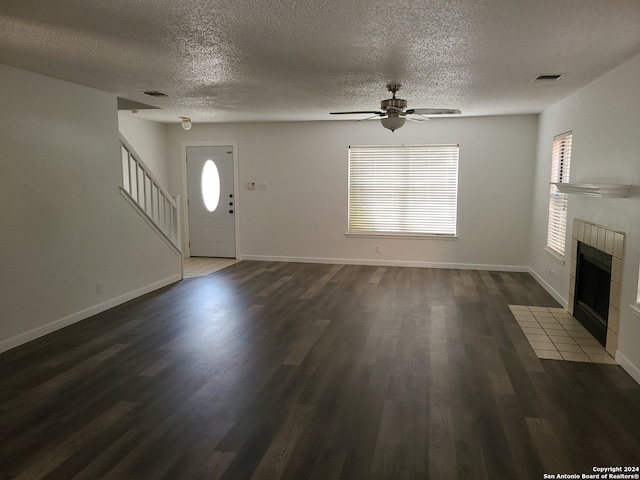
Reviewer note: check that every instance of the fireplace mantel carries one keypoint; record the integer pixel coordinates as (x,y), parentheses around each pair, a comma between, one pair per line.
(594,189)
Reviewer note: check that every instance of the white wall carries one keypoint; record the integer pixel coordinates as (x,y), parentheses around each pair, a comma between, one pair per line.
(149,140)
(303,213)
(605,120)
(65,225)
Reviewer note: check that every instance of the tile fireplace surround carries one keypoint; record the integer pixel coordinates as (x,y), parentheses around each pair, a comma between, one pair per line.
(611,242)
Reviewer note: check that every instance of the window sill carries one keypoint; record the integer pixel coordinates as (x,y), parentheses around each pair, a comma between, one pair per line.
(426,236)
(556,256)
(635,309)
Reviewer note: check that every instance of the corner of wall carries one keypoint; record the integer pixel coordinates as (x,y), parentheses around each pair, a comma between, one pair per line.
(557,296)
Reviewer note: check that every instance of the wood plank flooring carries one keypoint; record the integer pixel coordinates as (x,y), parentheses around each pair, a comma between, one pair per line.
(302,371)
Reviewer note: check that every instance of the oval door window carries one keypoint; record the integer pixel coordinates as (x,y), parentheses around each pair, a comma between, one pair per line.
(210,185)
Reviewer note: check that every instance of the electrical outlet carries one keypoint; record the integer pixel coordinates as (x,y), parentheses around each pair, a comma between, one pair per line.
(98,287)
(378,248)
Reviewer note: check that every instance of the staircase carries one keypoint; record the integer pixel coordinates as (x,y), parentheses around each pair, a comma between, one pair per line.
(149,198)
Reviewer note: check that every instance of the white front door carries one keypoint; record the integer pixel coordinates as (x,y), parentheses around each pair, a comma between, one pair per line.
(212,202)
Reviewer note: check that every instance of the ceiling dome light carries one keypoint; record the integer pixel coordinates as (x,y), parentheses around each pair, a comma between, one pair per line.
(393,122)
(186,123)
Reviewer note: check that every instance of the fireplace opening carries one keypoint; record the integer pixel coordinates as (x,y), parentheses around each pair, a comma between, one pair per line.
(593,284)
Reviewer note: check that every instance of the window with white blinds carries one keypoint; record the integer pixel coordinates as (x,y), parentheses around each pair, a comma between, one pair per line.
(404,190)
(560,162)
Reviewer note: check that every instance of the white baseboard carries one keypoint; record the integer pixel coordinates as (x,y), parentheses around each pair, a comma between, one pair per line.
(83,314)
(387,263)
(559,298)
(629,367)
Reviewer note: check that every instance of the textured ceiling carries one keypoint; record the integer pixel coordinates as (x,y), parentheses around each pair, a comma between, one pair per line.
(251,60)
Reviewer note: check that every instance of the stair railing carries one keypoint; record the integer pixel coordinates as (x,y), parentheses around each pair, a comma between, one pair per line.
(142,189)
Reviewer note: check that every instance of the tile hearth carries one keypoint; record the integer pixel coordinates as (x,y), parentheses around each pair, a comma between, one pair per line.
(554,334)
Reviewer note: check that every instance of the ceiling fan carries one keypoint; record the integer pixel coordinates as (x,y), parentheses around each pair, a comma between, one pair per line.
(393,111)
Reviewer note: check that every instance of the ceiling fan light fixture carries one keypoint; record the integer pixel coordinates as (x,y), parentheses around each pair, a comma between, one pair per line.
(186,123)
(393,123)
(393,111)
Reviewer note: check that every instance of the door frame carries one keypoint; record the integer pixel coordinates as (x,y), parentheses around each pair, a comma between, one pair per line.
(185,190)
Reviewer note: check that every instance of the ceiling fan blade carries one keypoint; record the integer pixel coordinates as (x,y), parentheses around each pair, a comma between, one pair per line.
(367,118)
(363,111)
(434,111)
(419,120)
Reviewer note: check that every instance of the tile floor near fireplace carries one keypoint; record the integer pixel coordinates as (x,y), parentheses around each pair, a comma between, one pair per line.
(554,334)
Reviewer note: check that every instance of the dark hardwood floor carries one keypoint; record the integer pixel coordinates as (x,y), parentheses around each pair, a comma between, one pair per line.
(302,371)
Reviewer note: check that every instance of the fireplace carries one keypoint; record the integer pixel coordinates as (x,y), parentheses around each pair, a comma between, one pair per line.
(597,254)
(593,285)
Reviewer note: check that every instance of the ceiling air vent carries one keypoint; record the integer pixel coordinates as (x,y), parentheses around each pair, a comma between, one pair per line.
(549,78)
(155,93)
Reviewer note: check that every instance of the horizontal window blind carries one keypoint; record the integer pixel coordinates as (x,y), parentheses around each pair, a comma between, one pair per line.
(403,189)
(560,163)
